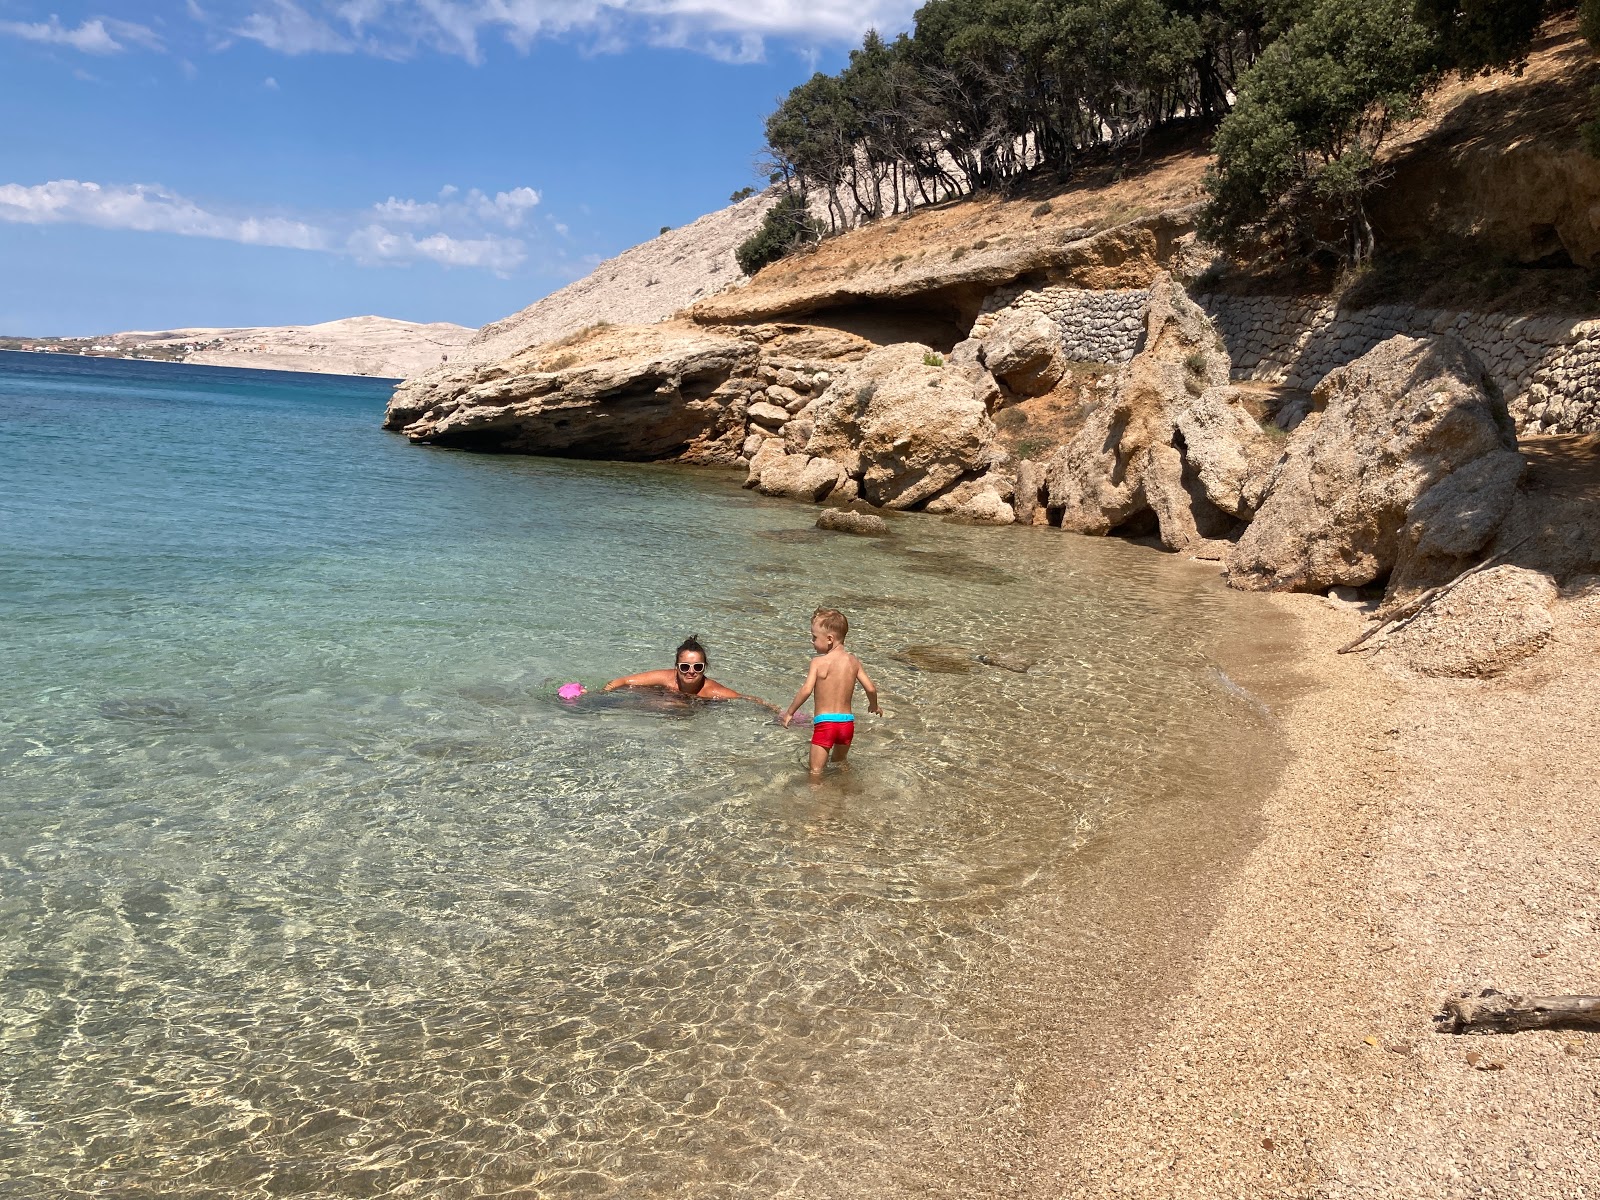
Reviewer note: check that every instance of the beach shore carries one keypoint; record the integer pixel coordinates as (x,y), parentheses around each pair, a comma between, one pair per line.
(1423,838)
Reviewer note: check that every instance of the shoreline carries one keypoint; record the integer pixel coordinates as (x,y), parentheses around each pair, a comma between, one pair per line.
(1410,849)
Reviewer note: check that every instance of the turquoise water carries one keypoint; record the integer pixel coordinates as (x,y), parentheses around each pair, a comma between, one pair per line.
(309,885)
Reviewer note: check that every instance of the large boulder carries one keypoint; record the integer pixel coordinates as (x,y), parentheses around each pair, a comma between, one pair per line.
(668,391)
(906,429)
(1173,449)
(1488,622)
(798,476)
(1023,351)
(1407,473)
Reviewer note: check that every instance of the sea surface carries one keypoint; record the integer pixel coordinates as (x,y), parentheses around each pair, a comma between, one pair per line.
(311,886)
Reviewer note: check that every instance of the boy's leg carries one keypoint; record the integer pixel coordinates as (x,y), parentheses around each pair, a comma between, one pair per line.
(840,751)
(819,759)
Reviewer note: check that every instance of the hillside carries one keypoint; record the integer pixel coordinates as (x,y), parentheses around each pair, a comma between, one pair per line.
(376,346)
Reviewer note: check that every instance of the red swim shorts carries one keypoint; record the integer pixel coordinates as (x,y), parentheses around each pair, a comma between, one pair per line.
(829,734)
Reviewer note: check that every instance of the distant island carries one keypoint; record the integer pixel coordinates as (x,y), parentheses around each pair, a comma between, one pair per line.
(378,346)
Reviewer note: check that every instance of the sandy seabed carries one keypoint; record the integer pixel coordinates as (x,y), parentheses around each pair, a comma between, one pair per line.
(1424,837)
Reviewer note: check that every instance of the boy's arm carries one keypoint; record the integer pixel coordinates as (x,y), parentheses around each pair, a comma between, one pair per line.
(866,686)
(800,696)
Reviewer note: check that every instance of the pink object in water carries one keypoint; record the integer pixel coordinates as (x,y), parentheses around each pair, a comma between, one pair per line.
(570,691)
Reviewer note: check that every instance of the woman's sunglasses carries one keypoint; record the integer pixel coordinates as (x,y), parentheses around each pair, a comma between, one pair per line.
(692,668)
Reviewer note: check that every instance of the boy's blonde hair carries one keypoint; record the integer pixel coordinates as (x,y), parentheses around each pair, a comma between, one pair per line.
(833,621)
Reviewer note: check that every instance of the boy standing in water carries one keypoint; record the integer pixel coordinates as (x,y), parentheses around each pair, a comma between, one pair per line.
(833,675)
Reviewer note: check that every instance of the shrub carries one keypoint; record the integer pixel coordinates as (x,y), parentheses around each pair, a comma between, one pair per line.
(931,359)
(1196,362)
(958,254)
(980,243)
(787,226)
(1591,129)
(743,193)
(1042,210)
(1031,447)
(666,229)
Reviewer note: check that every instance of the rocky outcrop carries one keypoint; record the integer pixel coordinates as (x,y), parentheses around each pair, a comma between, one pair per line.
(1172,448)
(1490,621)
(1023,351)
(906,429)
(915,260)
(1407,474)
(844,520)
(647,393)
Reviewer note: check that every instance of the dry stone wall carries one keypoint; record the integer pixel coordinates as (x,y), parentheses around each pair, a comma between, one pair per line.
(1096,326)
(1548,367)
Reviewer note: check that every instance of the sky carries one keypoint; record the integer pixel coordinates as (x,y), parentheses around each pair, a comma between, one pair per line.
(272,162)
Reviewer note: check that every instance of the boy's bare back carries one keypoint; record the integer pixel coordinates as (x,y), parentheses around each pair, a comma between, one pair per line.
(835,675)
(832,681)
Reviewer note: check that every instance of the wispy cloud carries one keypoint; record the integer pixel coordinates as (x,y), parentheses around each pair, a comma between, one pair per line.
(729,30)
(100,35)
(456,230)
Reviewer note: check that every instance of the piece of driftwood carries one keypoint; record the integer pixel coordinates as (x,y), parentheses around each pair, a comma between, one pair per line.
(1496,1012)
(1412,609)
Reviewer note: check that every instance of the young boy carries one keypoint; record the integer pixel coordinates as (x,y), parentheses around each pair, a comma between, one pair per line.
(833,675)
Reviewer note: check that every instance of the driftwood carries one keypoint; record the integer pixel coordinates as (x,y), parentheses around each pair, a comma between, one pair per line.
(1495,1012)
(1412,609)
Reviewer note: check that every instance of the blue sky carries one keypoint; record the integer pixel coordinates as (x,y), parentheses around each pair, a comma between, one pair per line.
(244,162)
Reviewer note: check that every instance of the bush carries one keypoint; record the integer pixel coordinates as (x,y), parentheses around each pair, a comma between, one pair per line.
(1042,210)
(743,193)
(666,229)
(931,359)
(1590,130)
(787,226)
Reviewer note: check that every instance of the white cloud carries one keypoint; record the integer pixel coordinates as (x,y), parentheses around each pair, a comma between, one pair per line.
(97,36)
(503,208)
(147,209)
(458,230)
(729,30)
(378,244)
(270,84)
(289,29)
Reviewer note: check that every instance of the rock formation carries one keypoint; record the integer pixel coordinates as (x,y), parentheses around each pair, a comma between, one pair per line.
(1173,447)
(906,429)
(1492,620)
(1406,474)
(1023,351)
(642,393)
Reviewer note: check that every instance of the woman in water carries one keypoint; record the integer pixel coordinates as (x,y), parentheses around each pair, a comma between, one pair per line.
(687,677)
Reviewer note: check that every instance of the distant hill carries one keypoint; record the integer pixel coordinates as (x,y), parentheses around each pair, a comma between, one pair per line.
(378,346)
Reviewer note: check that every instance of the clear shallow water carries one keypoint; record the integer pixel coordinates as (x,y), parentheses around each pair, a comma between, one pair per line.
(310,886)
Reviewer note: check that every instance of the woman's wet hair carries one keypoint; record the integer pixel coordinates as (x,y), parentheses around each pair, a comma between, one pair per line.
(691,643)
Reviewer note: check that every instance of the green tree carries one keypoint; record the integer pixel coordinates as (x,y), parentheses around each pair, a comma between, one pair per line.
(1300,150)
(787,226)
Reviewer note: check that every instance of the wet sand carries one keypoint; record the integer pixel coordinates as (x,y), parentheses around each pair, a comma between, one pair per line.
(1424,837)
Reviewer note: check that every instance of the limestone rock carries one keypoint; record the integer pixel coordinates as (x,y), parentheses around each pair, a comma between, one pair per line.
(799,476)
(905,430)
(984,501)
(1023,350)
(842,520)
(667,391)
(1172,445)
(796,434)
(768,453)
(1029,500)
(1485,624)
(1350,501)
(770,415)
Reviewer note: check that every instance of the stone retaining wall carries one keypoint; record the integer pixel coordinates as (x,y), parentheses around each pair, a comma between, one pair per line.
(1103,327)
(1548,367)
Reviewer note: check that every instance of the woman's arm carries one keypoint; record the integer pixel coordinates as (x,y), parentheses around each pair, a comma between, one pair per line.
(643,679)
